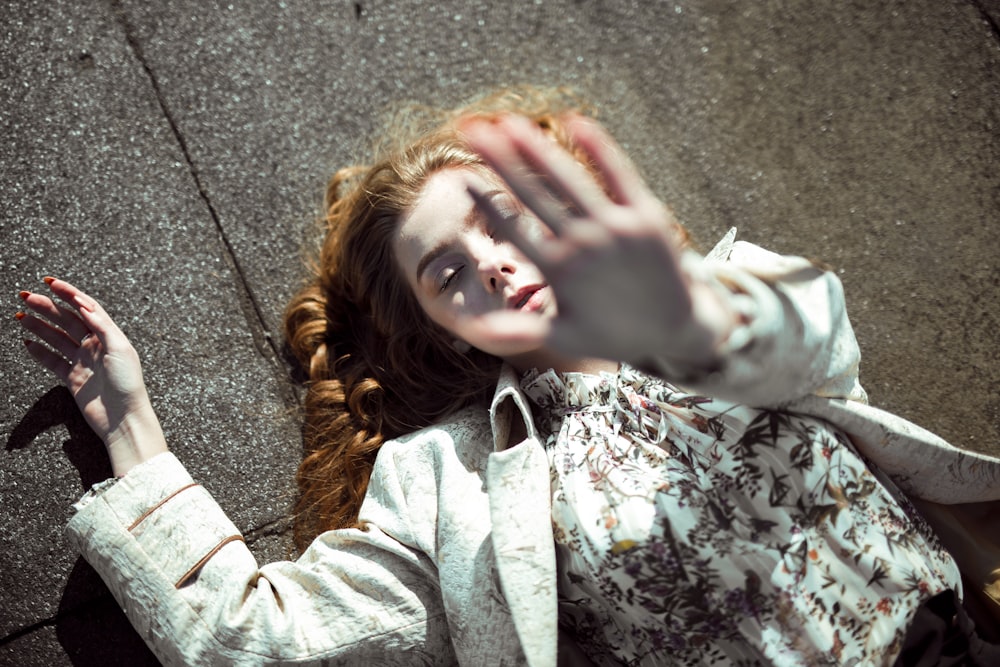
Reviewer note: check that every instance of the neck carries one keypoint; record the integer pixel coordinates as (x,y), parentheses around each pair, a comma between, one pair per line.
(563,364)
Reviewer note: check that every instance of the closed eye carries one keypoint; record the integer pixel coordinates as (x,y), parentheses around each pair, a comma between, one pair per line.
(448,276)
(510,216)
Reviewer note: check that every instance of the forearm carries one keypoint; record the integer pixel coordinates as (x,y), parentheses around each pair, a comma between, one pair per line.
(714,320)
(180,570)
(791,338)
(138,438)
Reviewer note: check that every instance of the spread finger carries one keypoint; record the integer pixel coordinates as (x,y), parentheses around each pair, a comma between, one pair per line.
(54,337)
(57,315)
(49,359)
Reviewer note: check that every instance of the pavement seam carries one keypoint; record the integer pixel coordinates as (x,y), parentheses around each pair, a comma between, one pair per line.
(270,528)
(262,339)
(987,18)
(28,629)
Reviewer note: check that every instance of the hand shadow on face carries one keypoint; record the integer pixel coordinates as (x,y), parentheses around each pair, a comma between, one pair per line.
(89,625)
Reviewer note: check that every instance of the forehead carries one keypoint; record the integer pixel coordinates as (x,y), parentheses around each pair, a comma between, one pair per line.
(444,197)
(439,213)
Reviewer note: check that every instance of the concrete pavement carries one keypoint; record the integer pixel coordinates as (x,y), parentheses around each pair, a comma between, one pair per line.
(169,157)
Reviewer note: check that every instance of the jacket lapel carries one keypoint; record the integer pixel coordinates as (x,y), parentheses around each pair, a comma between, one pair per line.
(517,481)
(520,510)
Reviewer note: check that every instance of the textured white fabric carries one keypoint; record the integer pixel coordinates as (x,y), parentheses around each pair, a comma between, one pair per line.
(445,573)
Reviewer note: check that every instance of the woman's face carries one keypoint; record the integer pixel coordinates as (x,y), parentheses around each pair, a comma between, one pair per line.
(460,272)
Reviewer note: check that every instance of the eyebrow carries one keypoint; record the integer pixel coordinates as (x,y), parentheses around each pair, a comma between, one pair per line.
(471,217)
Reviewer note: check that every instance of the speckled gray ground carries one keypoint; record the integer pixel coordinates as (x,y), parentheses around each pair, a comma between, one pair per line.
(169,156)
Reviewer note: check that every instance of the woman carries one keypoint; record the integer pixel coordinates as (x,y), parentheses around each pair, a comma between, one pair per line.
(477,469)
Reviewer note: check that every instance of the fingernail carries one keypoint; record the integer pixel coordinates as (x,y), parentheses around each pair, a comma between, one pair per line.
(24,294)
(19,316)
(468,123)
(478,122)
(48,280)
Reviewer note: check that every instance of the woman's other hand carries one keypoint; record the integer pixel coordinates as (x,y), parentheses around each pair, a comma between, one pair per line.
(612,260)
(89,353)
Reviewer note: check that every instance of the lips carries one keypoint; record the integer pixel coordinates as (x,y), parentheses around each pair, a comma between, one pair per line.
(523,296)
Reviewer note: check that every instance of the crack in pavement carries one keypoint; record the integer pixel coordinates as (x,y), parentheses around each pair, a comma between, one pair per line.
(28,629)
(268,348)
(263,341)
(987,18)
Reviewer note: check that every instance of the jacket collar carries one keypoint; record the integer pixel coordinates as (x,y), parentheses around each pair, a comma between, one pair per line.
(517,479)
(722,249)
(510,412)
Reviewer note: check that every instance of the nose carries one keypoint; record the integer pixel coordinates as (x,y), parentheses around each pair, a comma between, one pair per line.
(495,269)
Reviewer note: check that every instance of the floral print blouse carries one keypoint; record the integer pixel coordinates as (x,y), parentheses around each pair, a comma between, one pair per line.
(693,531)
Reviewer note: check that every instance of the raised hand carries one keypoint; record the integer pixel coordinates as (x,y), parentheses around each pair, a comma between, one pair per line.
(89,353)
(612,259)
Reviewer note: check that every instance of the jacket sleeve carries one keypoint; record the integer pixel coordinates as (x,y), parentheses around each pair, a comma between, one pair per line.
(191,588)
(795,338)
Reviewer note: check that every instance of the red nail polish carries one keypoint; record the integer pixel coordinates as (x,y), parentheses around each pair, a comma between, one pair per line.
(48,280)
(24,294)
(19,316)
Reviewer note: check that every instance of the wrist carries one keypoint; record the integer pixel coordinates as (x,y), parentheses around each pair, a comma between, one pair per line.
(713,321)
(698,349)
(137,438)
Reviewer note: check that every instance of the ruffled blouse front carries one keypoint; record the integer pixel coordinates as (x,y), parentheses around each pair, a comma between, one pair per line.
(692,531)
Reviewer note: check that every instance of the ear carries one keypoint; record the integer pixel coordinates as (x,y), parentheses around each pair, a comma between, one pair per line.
(461,346)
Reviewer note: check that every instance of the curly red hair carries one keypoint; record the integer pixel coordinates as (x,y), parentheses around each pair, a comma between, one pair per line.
(377,367)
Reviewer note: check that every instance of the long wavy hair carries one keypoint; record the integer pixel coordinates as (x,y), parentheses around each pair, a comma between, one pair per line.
(376,366)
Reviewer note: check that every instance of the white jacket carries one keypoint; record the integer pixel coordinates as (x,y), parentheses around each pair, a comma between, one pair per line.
(457,562)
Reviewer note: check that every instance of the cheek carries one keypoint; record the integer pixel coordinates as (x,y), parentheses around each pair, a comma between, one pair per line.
(444,312)
(458,315)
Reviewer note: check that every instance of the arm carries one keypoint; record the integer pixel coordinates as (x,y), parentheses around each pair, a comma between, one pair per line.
(195,593)
(794,337)
(760,329)
(179,567)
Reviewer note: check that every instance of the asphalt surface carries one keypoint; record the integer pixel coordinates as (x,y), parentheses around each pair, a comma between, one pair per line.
(170,157)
